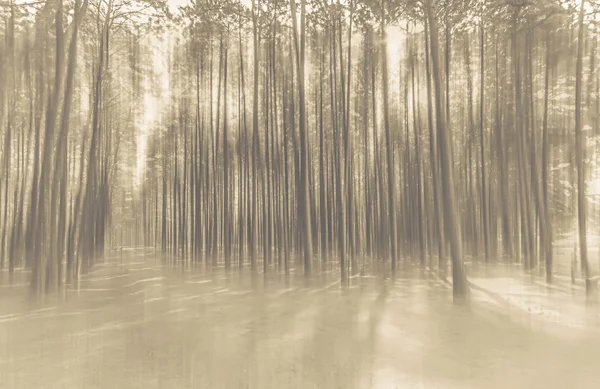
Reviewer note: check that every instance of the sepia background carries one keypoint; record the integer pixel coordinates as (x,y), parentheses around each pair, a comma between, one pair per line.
(299,194)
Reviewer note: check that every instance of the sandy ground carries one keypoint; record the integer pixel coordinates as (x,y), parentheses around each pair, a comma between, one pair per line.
(136,323)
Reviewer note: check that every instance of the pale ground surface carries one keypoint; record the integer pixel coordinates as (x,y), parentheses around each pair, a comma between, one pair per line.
(139,324)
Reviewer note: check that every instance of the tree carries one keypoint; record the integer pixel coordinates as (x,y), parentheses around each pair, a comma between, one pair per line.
(460,287)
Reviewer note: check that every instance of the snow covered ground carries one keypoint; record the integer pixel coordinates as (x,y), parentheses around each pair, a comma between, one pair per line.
(139,324)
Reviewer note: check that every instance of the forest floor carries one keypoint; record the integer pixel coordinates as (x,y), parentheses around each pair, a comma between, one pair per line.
(135,323)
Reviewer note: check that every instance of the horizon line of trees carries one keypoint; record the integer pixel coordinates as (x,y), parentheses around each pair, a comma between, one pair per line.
(293,136)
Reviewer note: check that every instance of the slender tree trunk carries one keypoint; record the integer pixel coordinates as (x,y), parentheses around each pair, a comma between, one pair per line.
(459,279)
(389,151)
(547,237)
(580,150)
(484,188)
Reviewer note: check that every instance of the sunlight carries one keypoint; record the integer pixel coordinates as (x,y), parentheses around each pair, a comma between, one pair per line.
(183,207)
(143,128)
(396,47)
(594,187)
(576,4)
(174,4)
(395,39)
(151,113)
(593,184)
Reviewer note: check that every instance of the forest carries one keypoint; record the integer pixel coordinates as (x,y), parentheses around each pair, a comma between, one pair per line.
(360,137)
(299,194)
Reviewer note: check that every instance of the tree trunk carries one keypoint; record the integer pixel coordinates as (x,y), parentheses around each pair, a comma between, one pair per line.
(459,280)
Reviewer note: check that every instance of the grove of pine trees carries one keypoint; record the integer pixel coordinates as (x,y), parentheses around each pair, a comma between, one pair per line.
(361,137)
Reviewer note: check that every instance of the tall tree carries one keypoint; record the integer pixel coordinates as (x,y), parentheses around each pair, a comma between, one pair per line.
(459,280)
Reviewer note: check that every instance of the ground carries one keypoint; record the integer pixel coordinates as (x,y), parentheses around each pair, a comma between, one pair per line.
(138,323)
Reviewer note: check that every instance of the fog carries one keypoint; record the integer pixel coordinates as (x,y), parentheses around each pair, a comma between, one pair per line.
(299,194)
